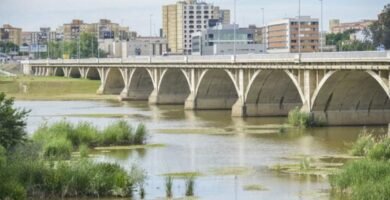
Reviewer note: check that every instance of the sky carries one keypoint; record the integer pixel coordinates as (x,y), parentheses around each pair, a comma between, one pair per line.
(32,14)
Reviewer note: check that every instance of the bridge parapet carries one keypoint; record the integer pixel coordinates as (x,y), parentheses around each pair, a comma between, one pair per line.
(327,57)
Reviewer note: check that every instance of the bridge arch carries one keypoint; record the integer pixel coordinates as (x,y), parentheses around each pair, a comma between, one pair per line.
(59,71)
(141,85)
(216,90)
(74,72)
(351,98)
(92,73)
(174,87)
(272,93)
(114,83)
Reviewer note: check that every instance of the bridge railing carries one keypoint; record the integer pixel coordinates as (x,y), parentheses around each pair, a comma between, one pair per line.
(380,56)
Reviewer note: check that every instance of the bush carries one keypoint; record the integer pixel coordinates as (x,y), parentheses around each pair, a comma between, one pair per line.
(84,133)
(118,133)
(168,187)
(365,179)
(363,145)
(140,135)
(380,150)
(190,186)
(299,119)
(60,149)
(12,123)
(84,151)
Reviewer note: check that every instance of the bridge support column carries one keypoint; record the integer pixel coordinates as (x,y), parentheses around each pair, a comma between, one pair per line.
(153,98)
(309,86)
(190,103)
(103,78)
(239,108)
(49,72)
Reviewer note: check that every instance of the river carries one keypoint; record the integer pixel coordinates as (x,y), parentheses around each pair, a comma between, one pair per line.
(211,143)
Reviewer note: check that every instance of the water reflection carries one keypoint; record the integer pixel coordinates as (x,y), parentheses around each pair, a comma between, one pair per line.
(206,141)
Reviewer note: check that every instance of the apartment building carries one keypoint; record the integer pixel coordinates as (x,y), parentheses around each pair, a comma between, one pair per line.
(219,40)
(184,18)
(104,29)
(336,27)
(283,35)
(12,34)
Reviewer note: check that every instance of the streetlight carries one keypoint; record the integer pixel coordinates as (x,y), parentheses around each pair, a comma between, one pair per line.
(299,27)
(150,35)
(264,31)
(322,26)
(235,28)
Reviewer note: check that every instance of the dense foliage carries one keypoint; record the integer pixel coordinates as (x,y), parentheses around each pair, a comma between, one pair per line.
(12,123)
(61,138)
(380,30)
(7,47)
(42,168)
(343,42)
(368,178)
(300,119)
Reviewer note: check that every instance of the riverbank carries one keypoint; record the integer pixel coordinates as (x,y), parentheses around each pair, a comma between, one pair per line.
(51,88)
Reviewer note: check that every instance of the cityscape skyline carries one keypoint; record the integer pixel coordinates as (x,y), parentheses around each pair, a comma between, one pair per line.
(127,13)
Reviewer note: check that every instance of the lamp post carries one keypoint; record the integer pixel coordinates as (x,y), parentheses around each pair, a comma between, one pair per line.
(150,36)
(264,31)
(235,28)
(299,27)
(322,26)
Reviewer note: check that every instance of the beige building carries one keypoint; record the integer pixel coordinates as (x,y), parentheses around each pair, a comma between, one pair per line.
(12,34)
(336,27)
(104,29)
(184,18)
(283,35)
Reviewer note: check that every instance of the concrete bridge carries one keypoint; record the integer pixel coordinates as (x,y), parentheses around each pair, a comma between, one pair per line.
(343,88)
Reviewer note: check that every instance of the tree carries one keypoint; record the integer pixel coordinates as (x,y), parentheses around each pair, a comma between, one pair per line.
(12,123)
(380,30)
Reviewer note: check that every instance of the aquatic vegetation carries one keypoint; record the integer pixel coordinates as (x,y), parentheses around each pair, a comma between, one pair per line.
(190,184)
(300,119)
(254,187)
(168,187)
(58,149)
(84,151)
(117,133)
(368,178)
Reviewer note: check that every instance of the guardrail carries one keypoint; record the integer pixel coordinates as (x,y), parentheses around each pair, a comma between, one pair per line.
(380,56)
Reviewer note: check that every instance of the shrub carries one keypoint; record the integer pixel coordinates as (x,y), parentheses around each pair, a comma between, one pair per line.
(366,179)
(363,145)
(12,123)
(380,150)
(84,151)
(60,149)
(118,133)
(140,135)
(84,133)
(190,186)
(168,187)
(299,119)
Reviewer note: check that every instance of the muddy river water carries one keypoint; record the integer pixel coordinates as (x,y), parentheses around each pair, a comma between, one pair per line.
(230,154)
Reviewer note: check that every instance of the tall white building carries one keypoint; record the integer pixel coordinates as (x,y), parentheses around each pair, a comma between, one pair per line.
(184,18)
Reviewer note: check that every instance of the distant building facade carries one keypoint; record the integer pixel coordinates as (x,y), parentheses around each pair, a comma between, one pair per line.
(336,27)
(184,18)
(283,35)
(219,40)
(144,46)
(104,29)
(12,34)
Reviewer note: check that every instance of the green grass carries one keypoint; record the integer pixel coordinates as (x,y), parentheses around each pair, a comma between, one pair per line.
(232,171)
(51,88)
(62,138)
(299,119)
(368,178)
